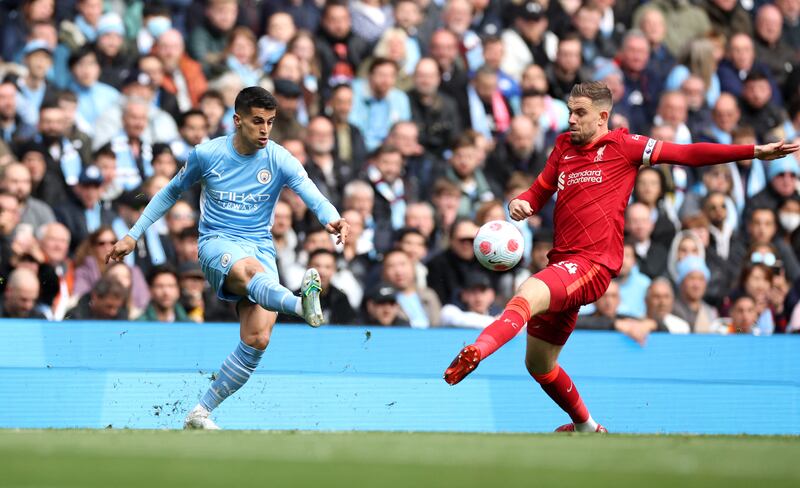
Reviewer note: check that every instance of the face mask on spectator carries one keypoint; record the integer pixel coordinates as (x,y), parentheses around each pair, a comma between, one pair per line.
(789,221)
(158,26)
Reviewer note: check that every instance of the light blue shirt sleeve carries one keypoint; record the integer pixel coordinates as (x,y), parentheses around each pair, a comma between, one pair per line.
(188,175)
(297,179)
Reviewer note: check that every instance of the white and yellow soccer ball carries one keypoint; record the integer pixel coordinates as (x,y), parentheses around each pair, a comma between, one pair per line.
(498,245)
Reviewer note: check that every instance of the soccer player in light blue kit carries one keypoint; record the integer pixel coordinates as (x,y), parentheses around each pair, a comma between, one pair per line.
(242,175)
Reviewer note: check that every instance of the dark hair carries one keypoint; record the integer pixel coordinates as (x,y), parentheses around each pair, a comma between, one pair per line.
(79,54)
(160,148)
(748,270)
(530,92)
(188,233)
(155,9)
(755,75)
(185,116)
(596,91)
(159,270)
(378,62)
(384,149)
(104,150)
(402,233)
(49,104)
(662,181)
(216,95)
(321,251)
(107,286)
(254,96)
(332,3)
(67,95)
(395,250)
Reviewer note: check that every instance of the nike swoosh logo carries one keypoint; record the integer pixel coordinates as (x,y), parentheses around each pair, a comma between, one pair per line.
(569,157)
(570,388)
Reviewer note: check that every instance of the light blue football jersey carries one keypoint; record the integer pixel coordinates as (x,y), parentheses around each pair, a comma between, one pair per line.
(238,192)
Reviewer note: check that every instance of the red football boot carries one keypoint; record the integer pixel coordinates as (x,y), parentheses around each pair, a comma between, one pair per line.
(464,364)
(571,428)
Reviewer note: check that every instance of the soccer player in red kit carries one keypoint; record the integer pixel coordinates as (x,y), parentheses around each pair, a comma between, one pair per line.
(593,170)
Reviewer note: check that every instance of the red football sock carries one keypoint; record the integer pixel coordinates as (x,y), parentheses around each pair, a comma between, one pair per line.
(558,385)
(514,317)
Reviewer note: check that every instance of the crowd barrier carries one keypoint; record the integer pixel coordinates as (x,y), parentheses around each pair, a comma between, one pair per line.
(148,375)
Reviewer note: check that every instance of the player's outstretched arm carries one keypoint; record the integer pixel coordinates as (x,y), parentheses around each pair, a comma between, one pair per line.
(122,248)
(340,228)
(768,152)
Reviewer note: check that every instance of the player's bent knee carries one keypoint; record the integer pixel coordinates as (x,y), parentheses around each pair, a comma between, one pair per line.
(257,341)
(537,293)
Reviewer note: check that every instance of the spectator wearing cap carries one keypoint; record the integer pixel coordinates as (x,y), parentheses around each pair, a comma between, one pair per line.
(94,96)
(21,296)
(183,76)
(693,276)
(13,129)
(16,179)
(34,87)
(165,293)
(381,307)
(287,93)
(475,308)
(740,60)
(83,214)
(528,39)
(782,178)
(207,40)
(378,103)
(420,306)
(115,56)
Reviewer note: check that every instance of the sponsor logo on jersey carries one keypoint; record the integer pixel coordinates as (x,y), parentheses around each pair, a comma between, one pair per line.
(587,176)
(264,176)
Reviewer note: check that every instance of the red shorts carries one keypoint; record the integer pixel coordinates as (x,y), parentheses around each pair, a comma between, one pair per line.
(573,281)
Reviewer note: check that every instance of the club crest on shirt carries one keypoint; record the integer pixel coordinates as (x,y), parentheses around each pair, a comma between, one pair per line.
(599,156)
(225,260)
(264,176)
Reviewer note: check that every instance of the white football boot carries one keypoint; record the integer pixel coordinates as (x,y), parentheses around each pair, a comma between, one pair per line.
(198,419)
(309,294)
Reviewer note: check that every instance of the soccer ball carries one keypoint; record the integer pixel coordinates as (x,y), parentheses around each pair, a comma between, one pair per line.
(498,245)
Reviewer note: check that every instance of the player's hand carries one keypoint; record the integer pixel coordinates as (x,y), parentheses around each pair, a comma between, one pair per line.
(768,152)
(122,248)
(340,228)
(520,209)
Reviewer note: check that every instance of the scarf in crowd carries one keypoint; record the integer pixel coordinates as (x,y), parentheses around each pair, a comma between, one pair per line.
(480,119)
(394,193)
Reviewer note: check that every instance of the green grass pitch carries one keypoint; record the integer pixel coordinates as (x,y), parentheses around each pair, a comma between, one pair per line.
(143,459)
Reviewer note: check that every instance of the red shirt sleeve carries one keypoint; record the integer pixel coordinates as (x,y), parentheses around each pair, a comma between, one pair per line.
(648,151)
(546,183)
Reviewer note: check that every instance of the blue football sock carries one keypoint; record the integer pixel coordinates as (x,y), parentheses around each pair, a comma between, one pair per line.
(265,290)
(234,373)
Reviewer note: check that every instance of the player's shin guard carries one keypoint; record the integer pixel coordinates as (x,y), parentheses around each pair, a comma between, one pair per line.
(514,317)
(558,385)
(265,290)
(234,373)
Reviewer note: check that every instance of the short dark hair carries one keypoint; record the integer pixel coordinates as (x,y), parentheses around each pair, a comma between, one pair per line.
(755,75)
(191,113)
(378,62)
(104,150)
(79,54)
(254,96)
(188,233)
(384,149)
(159,270)
(596,91)
(321,251)
(213,94)
(402,233)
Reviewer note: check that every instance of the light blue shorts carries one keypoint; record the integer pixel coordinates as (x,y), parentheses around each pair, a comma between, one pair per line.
(219,253)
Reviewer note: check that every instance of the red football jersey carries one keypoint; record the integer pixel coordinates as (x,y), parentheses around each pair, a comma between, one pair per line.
(594,185)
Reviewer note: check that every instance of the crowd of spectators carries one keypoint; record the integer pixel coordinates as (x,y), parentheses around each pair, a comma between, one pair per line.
(419,120)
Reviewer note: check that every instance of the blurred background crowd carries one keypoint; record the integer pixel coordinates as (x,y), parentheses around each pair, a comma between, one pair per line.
(419,120)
